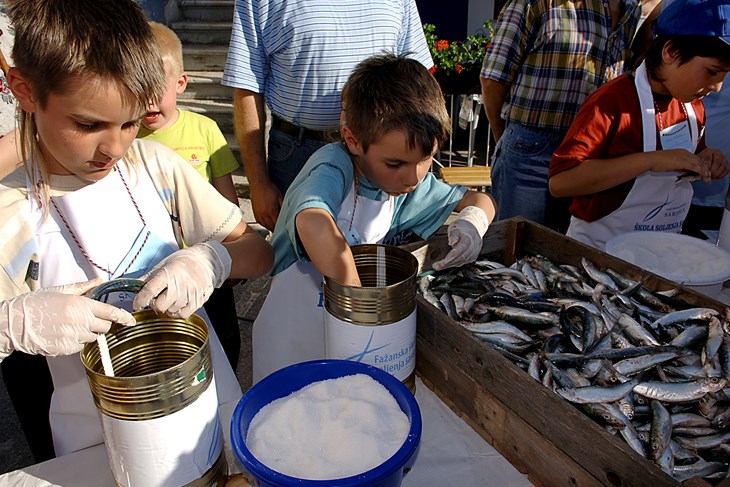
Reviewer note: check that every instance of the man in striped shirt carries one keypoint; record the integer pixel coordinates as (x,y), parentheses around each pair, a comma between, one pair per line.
(295,57)
(545,59)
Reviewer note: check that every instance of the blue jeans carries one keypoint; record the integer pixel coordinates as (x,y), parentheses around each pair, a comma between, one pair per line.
(286,157)
(519,175)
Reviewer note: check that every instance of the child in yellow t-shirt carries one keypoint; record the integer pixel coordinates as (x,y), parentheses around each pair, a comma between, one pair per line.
(199,140)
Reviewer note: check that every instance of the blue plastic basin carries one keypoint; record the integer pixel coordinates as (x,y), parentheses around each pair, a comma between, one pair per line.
(290,379)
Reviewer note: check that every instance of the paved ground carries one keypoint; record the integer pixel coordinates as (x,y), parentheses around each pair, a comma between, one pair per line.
(14,451)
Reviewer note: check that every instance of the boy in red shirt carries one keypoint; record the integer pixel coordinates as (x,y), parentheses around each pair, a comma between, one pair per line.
(622,175)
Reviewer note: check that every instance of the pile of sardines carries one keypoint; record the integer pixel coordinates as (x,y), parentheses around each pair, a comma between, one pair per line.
(641,363)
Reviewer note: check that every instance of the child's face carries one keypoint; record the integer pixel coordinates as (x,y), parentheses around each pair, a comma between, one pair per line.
(165,114)
(391,165)
(86,130)
(694,79)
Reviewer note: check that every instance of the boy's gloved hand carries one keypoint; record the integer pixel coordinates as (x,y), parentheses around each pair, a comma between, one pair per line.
(465,237)
(56,320)
(183,281)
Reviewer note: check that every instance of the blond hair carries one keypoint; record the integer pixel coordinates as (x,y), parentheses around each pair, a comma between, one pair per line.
(58,40)
(171,49)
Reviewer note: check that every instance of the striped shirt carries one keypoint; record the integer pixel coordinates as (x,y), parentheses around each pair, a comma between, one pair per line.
(553,54)
(299,54)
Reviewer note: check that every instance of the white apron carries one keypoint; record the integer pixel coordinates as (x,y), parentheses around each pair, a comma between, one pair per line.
(290,326)
(96,213)
(657,201)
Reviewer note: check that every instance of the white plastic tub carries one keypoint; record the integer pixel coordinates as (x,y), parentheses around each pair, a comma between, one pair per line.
(680,258)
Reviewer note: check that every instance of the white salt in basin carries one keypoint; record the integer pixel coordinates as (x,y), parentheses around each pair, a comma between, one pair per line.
(679,258)
(329,429)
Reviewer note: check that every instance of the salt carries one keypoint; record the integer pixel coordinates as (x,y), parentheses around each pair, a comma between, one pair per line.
(329,429)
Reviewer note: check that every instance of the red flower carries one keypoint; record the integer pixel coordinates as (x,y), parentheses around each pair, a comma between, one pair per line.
(432,69)
(459,68)
(441,45)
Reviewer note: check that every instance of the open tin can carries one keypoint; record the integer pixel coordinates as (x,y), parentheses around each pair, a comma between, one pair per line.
(376,323)
(159,411)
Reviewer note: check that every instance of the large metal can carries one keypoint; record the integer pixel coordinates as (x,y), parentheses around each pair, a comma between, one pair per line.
(159,411)
(375,323)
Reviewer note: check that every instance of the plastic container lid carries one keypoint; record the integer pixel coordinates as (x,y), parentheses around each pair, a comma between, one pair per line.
(679,258)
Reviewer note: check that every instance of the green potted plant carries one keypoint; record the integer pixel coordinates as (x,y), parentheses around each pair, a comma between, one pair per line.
(457,63)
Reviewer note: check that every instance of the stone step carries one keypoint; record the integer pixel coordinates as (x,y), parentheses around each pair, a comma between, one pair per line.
(219,111)
(207,10)
(240,182)
(205,57)
(200,32)
(206,85)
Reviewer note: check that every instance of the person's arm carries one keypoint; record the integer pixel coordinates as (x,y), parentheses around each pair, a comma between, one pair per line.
(249,117)
(644,35)
(251,254)
(224,185)
(10,157)
(481,200)
(596,175)
(326,246)
(493,96)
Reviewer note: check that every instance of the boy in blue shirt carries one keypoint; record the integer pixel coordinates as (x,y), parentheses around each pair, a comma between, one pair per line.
(373,187)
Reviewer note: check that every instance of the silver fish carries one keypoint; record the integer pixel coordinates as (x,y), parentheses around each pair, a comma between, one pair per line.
(594,394)
(661,430)
(634,365)
(680,391)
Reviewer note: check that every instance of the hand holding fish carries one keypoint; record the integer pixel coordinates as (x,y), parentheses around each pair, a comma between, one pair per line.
(716,162)
(465,238)
(680,160)
(183,281)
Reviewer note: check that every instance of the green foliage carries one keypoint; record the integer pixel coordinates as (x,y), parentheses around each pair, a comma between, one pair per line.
(455,57)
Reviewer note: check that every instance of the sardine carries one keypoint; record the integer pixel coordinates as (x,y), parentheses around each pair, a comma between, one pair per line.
(680,391)
(661,430)
(597,394)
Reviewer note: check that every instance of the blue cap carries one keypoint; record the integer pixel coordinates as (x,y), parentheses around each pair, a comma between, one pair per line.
(709,18)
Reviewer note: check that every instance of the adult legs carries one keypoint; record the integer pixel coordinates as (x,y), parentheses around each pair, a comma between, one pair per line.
(286,157)
(519,175)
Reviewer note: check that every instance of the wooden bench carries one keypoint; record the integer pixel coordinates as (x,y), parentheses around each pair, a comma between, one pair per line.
(470,176)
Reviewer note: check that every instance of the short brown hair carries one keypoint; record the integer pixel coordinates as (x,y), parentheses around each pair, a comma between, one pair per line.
(59,39)
(390,92)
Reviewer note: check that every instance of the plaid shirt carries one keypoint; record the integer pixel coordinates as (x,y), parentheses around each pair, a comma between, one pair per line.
(553,54)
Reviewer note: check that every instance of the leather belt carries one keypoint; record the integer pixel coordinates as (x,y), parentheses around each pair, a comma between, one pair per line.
(303,133)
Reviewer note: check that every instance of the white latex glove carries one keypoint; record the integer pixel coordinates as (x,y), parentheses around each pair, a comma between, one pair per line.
(465,237)
(56,320)
(183,281)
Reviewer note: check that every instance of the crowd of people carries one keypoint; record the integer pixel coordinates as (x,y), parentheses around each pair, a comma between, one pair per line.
(597,108)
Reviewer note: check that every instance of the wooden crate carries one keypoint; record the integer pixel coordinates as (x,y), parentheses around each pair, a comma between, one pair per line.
(537,431)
